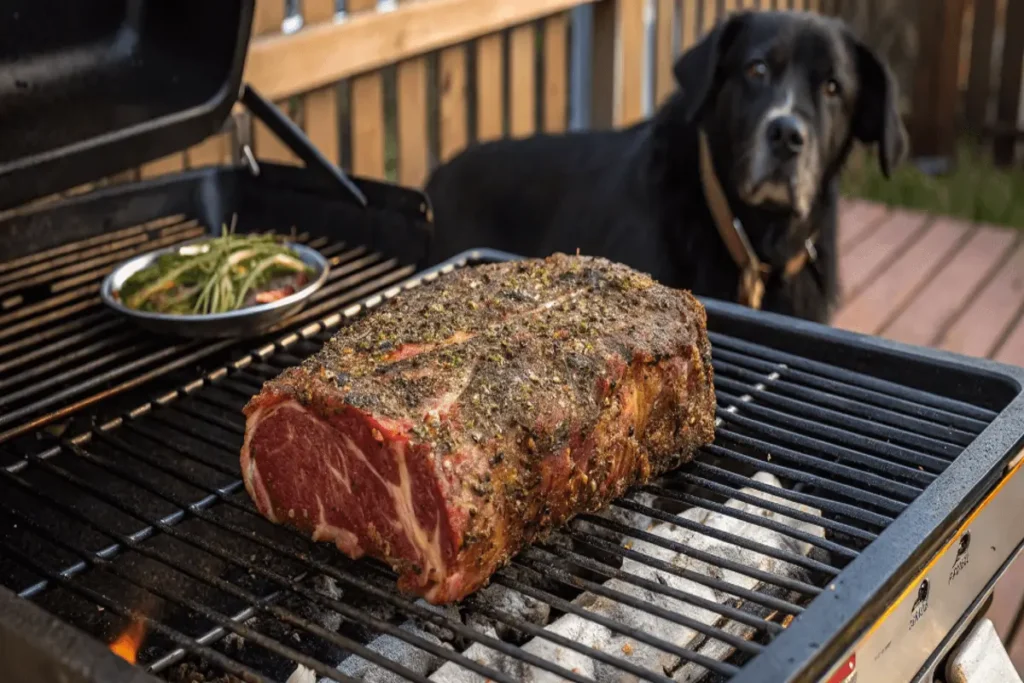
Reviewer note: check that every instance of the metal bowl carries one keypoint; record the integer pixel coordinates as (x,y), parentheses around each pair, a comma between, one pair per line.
(238,323)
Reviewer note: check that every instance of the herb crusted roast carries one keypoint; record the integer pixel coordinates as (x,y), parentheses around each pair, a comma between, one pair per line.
(446,430)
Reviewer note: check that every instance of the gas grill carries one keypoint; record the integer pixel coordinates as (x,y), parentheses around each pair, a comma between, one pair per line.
(887,458)
(849,522)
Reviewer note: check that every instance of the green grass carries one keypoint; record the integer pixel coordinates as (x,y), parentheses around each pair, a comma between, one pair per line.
(975,190)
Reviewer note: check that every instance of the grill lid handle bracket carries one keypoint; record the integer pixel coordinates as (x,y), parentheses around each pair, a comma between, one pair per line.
(296,140)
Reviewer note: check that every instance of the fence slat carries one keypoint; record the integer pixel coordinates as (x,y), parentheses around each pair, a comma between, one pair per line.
(979,79)
(454,128)
(522,81)
(631,34)
(129,176)
(1008,103)
(368,126)
(664,49)
(367,113)
(689,28)
(168,164)
(936,87)
(329,53)
(413,151)
(708,15)
(490,87)
(604,93)
(729,6)
(830,7)
(413,130)
(213,151)
(320,107)
(267,20)
(556,73)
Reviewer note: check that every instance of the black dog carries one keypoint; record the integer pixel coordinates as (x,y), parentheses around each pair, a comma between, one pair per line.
(776,98)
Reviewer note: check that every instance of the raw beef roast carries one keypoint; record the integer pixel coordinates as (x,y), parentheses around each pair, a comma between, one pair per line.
(447,429)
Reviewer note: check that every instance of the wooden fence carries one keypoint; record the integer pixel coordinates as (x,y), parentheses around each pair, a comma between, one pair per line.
(965,82)
(991,73)
(389,89)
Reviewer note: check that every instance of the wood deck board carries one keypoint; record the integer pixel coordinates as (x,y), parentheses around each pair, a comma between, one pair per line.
(894,235)
(858,219)
(943,283)
(952,289)
(983,325)
(1012,349)
(883,297)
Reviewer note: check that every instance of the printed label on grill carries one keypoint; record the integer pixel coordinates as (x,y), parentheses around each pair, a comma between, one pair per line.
(847,673)
(962,557)
(958,566)
(921,604)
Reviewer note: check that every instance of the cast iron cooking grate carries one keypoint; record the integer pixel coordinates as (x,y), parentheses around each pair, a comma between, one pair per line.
(143,520)
(62,350)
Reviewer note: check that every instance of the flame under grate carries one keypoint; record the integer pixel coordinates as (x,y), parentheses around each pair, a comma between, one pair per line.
(143,520)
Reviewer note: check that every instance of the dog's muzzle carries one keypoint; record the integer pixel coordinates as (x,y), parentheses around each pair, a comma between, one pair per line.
(786,136)
(781,168)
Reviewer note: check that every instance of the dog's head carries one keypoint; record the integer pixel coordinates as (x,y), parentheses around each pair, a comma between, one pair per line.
(781,96)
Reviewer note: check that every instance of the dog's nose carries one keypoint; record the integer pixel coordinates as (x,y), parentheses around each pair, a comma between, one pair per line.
(786,135)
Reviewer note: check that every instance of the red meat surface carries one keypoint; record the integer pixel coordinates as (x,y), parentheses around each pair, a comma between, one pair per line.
(446,430)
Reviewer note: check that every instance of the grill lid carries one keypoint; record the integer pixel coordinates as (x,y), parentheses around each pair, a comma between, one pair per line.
(89,89)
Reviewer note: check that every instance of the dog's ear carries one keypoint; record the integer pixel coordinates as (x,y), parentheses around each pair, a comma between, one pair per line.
(696,70)
(876,117)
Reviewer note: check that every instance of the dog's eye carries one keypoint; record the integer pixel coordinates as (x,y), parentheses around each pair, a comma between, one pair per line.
(832,88)
(757,70)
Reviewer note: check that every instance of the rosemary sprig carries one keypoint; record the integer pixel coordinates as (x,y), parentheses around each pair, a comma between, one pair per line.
(213,276)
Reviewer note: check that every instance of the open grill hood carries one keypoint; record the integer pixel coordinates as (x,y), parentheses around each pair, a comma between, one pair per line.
(90,88)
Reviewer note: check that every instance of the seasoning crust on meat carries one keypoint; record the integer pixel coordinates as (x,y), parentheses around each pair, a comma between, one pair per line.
(449,428)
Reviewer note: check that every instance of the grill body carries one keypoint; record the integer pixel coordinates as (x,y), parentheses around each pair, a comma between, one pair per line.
(884,454)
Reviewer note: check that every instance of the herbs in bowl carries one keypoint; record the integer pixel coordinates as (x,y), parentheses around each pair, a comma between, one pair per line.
(217,275)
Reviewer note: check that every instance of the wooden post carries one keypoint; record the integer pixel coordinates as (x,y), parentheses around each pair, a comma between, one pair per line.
(490,87)
(323,123)
(556,73)
(933,130)
(979,81)
(522,80)
(603,91)
(413,132)
(453,114)
(619,38)
(666,50)
(367,112)
(267,20)
(1008,106)
(688,26)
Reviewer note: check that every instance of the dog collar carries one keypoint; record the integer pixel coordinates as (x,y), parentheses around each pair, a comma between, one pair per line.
(753,271)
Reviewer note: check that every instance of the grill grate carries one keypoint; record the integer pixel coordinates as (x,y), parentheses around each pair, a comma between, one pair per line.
(61,350)
(144,517)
